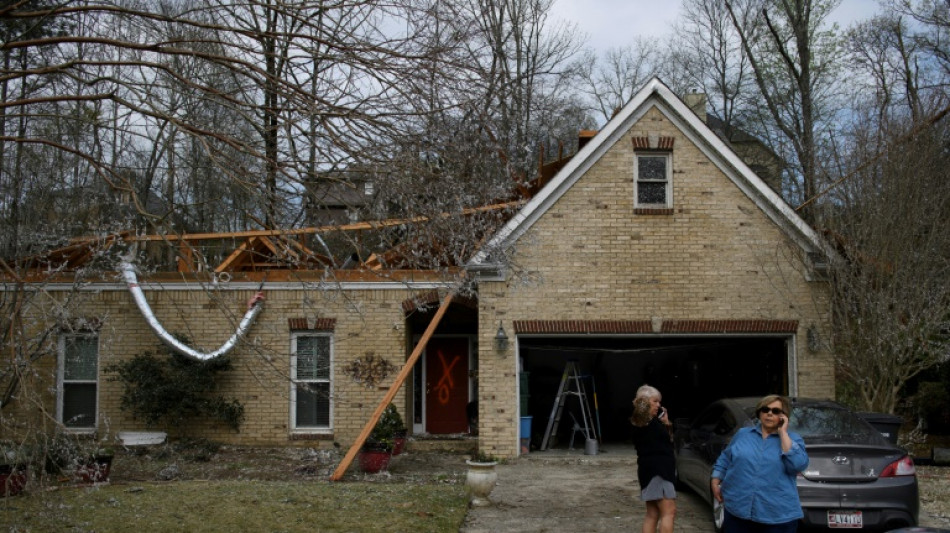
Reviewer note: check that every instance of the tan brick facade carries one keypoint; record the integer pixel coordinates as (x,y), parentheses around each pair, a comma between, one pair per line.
(365,321)
(714,261)
(717,257)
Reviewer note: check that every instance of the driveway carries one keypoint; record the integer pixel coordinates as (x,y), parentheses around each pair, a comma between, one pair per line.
(565,490)
(562,490)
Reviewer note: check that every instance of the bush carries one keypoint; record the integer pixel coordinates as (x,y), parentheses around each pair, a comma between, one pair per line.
(172,388)
(388,427)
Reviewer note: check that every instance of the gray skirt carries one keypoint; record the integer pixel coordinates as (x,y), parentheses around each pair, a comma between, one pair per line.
(658,489)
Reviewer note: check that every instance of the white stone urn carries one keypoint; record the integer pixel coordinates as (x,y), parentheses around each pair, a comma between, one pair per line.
(480,481)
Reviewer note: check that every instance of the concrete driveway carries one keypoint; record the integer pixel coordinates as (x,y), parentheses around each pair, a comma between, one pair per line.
(561,490)
(567,491)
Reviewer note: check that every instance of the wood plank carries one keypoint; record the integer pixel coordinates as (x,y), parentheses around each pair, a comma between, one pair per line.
(391,393)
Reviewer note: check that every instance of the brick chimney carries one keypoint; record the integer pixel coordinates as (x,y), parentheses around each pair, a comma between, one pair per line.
(697,102)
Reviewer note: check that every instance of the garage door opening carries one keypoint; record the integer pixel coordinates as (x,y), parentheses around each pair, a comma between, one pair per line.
(689,371)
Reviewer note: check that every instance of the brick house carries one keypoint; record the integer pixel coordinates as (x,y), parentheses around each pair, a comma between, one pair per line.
(655,255)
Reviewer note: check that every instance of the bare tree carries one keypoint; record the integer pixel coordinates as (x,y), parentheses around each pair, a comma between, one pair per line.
(610,81)
(933,19)
(524,61)
(793,55)
(891,293)
(896,64)
(707,56)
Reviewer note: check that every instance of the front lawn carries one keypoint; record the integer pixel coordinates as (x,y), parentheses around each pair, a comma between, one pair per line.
(238,505)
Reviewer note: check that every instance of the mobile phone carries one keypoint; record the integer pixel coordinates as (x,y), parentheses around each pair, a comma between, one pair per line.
(662,412)
(781,422)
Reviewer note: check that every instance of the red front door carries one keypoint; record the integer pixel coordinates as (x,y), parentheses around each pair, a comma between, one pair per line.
(446,385)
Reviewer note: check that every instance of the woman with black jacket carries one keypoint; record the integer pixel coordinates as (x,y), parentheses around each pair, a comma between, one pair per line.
(656,464)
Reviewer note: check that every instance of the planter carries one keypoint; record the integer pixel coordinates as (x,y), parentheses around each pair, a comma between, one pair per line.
(480,481)
(399,443)
(142,438)
(95,471)
(372,461)
(12,479)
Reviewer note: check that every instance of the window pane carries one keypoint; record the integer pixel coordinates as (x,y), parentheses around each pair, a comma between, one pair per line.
(651,168)
(313,405)
(651,193)
(81,358)
(313,358)
(79,405)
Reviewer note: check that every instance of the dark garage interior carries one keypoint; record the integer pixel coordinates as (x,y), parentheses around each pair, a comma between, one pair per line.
(690,372)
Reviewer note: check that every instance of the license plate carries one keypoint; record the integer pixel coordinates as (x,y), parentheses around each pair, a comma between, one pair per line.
(845,519)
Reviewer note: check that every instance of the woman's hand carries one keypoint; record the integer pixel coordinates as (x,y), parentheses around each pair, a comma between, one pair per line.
(782,430)
(783,424)
(716,491)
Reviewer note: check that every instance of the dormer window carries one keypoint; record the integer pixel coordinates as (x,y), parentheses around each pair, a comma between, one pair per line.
(653,175)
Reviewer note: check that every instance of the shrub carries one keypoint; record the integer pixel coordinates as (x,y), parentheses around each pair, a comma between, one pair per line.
(172,388)
(388,427)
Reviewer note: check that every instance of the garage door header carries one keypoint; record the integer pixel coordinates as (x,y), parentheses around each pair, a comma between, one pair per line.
(573,327)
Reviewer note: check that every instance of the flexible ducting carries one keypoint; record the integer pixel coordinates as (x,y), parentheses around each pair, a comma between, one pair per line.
(131,281)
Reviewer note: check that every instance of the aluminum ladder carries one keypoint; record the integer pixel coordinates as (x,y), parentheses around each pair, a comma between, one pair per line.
(572,385)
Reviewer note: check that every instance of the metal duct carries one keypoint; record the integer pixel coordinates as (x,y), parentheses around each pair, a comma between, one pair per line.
(131,281)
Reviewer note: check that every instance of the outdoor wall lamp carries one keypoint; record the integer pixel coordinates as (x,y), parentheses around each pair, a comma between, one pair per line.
(501,338)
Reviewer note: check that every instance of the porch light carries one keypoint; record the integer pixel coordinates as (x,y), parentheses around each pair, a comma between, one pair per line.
(501,338)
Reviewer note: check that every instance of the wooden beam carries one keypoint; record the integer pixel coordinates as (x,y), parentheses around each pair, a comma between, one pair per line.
(391,393)
(355,226)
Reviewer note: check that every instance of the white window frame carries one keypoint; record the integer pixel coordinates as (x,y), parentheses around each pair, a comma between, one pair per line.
(61,382)
(294,381)
(668,156)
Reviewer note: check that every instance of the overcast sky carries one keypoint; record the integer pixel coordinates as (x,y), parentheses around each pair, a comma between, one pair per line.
(614,23)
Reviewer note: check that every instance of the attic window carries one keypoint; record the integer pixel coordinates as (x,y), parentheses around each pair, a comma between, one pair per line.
(652,174)
(652,180)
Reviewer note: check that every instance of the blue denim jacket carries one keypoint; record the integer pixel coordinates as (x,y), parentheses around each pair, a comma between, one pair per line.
(757,480)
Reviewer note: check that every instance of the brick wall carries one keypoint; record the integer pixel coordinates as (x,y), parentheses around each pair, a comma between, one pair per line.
(717,257)
(365,321)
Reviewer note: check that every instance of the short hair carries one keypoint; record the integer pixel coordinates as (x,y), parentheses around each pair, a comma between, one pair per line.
(647,391)
(641,405)
(772,398)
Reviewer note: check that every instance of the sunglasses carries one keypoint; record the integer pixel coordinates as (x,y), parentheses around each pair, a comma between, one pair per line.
(775,410)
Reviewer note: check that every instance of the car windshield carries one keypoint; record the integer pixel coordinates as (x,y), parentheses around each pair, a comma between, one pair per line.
(819,424)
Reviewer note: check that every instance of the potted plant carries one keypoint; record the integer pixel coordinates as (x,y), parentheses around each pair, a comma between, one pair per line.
(392,422)
(14,461)
(375,456)
(380,445)
(481,478)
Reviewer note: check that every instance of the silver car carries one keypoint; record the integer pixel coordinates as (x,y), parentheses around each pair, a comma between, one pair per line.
(855,478)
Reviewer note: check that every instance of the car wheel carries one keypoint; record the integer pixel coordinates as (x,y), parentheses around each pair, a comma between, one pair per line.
(718,514)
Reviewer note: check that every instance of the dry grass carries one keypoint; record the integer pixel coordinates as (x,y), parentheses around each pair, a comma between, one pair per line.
(262,489)
(239,506)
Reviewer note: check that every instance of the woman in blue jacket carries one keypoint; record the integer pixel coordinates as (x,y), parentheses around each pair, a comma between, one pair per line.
(754,477)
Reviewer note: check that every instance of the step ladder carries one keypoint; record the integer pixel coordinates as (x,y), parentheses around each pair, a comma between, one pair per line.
(572,385)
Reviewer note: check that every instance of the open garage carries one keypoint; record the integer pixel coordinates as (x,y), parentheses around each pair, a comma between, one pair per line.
(690,371)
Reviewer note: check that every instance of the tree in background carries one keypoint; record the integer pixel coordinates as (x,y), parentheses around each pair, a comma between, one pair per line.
(707,56)
(610,81)
(891,291)
(794,58)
